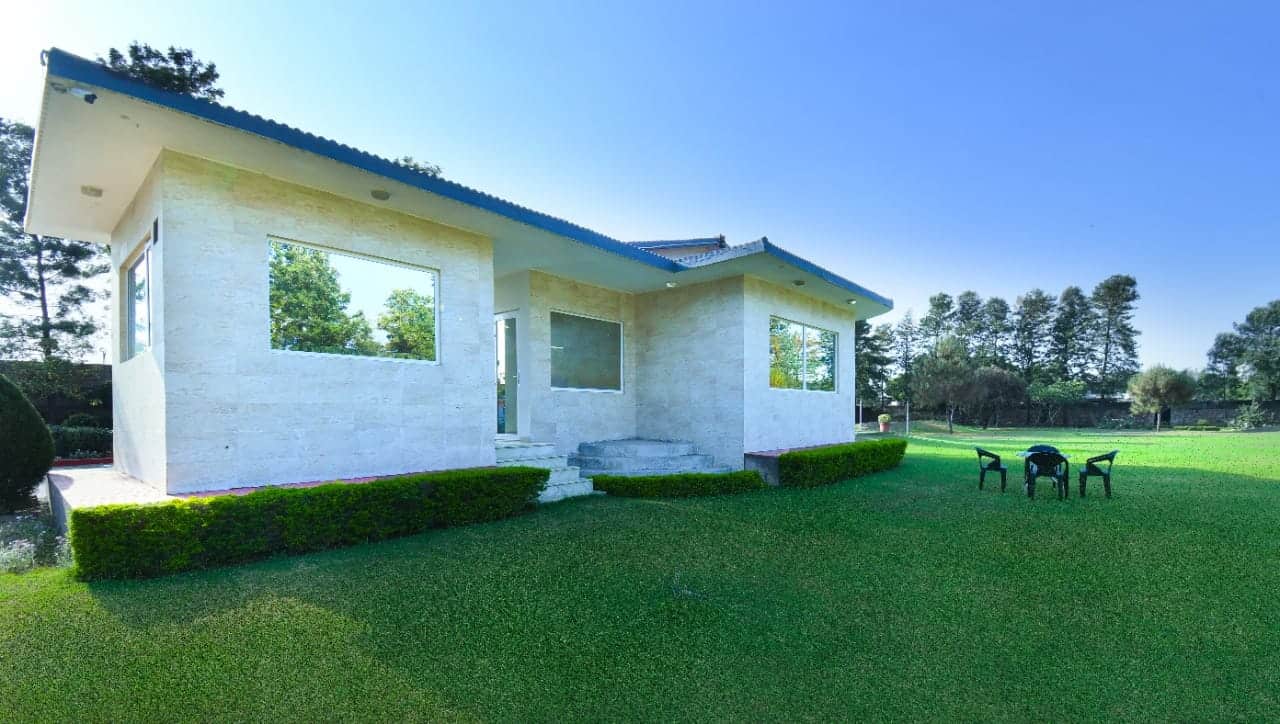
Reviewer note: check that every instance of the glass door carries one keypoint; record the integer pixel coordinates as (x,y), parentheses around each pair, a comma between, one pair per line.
(505,337)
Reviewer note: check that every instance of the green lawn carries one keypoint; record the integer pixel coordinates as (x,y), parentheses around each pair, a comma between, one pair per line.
(909,594)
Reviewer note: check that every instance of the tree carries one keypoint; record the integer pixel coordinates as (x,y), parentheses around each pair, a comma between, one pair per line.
(943,378)
(993,338)
(429,169)
(906,337)
(43,275)
(26,448)
(991,390)
(873,360)
(1054,397)
(1072,353)
(1032,324)
(1158,388)
(940,320)
(1248,359)
(1113,301)
(410,324)
(309,307)
(1221,377)
(968,319)
(176,70)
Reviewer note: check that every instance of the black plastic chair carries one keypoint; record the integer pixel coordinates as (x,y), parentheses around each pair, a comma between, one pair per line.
(994,466)
(1092,468)
(1047,465)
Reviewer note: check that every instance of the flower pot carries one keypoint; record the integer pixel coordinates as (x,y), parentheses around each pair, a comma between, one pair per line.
(884,427)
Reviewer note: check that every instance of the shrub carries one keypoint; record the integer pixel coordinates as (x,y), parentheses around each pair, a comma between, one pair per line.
(832,464)
(72,441)
(679,485)
(1198,428)
(80,419)
(1251,416)
(138,541)
(884,417)
(26,447)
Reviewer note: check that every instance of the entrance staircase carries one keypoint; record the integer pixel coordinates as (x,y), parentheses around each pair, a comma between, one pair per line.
(564,481)
(642,457)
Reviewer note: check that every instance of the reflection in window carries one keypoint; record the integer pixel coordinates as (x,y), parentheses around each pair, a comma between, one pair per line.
(323,301)
(138,296)
(801,357)
(586,354)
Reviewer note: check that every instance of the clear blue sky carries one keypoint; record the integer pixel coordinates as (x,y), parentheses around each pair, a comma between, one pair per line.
(912,147)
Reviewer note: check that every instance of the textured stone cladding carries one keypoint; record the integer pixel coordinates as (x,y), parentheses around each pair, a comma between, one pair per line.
(138,399)
(237,412)
(692,357)
(569,417)
(777,418)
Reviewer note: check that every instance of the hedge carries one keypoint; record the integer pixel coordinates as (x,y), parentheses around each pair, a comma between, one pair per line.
(679,485)
(826,465)
(143,540)
(68,441)
(26,449)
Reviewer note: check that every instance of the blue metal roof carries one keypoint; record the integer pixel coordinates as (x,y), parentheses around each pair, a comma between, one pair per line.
(679,243)
(66,65)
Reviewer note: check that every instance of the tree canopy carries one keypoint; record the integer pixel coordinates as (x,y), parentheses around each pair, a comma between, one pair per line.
(410,324)
(1158,388)
(1247,359)
(176,69)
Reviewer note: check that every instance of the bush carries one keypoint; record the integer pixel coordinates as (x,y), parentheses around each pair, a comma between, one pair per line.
(80,419)
(138,541)
(679,485)
(26,447)
(1197,428)
(825,465)
(72,441)
(884,417)
(1251,416)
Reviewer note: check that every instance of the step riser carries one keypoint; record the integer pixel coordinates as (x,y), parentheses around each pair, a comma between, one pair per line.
(635,448)
(623,465)
(551,463)
(560,492)
(646,473)
(524,452)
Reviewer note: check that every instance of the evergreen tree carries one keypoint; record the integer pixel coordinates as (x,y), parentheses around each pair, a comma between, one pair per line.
(993,339)
(1116,337)
(1072,352)
(874,350)
(940,320)
(969,320)
(943,377)
(1247,360)
(906,339)
(1032,327)
(44,276)
(176,70)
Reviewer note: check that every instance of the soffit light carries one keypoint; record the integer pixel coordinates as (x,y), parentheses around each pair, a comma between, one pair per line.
(380,194)
(93,192)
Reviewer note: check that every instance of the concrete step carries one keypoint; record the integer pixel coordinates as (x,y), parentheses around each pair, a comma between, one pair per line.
(511,451)
(591,465)
(642,472)
(570,490)
(635,448)
(551,463)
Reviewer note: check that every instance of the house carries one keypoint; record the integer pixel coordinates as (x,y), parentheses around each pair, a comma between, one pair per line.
(504,334)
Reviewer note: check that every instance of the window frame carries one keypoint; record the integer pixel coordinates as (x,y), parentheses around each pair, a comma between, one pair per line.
(437,283)
(622,353)
(140,257)
(804,356)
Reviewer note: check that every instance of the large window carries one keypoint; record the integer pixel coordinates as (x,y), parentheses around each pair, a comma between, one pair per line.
(801,357)
(138,302)
(586,354)
(324,301)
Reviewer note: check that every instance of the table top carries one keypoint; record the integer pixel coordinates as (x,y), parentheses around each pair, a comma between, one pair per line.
(1028,453)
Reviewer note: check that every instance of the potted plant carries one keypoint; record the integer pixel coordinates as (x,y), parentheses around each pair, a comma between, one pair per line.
(884,420)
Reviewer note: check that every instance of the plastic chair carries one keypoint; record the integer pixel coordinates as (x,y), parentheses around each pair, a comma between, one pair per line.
(993,466)
(1094,469)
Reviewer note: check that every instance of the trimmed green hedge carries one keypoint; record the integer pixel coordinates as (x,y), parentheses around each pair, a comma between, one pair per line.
(679,485)
(68,440)
(826,465)
(1198,428)
(139,541)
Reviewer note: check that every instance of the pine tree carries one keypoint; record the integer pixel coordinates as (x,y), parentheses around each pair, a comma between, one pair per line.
(1072,352)
(993,339)
(1117,339)
(874,356)
(968,320)
(940,320)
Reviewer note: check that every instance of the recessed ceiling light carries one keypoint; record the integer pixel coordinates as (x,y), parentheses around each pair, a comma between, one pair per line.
(853,301)
(92,192)
(798,282)
(672,285)
(380,194)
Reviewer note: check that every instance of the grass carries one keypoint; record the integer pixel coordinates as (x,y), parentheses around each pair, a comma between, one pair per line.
(904,595)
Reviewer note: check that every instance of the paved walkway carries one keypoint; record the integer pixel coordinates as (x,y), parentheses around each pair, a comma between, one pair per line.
(80,487)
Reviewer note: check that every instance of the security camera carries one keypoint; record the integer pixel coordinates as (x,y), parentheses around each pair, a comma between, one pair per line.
(86,95)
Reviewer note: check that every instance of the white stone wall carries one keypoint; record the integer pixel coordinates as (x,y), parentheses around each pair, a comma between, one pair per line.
(138,386)
(777,418)
(239,413)
(692,356)
(570,417)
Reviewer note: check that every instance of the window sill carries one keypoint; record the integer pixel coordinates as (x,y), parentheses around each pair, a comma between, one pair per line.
(369,357)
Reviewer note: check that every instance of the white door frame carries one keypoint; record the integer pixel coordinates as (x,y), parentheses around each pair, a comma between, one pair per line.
(513,315)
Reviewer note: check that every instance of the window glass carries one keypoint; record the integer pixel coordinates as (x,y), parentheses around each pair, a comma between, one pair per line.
(323,301)
(138,296)
(801,357)
(586,354)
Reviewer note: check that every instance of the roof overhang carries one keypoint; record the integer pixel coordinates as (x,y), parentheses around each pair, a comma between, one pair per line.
(110,145)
